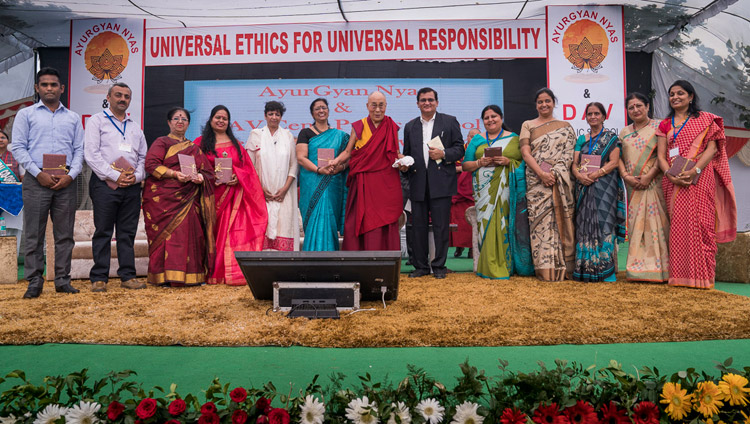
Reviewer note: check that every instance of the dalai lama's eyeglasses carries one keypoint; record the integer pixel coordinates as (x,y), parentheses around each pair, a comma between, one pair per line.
(377,105)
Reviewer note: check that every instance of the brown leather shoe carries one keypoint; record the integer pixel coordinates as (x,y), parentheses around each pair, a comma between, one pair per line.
(133,284)
(98,286)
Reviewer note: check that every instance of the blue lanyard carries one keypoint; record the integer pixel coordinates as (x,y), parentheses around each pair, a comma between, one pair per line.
(124,125)
(592,143)
(489,142)
(674,138)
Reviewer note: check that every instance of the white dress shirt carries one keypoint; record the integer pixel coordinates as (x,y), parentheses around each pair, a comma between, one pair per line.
(426,137)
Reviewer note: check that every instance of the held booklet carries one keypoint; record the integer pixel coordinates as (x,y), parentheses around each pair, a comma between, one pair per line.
(187,165)
(54,164)
(120,165)
(681,164)
(223,168)
(590,163)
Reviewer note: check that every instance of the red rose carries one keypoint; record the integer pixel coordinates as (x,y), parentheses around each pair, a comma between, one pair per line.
(238,395)
(114,410)
(208,408)
(146,409)
(262,404)
(177,407)
(172,422)
(262,419)
(278,416)
(239,417)
(209,418)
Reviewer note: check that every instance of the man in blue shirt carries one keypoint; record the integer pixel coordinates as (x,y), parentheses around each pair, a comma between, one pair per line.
(48,127)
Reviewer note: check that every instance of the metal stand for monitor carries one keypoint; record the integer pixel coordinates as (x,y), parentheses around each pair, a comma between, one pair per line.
(315,300)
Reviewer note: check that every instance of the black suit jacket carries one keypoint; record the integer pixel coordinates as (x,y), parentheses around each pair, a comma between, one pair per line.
(442,177)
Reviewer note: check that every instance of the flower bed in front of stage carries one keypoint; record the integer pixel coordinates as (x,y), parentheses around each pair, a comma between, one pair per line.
(564,394)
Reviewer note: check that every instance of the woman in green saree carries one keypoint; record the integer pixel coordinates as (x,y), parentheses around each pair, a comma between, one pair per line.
(502,248)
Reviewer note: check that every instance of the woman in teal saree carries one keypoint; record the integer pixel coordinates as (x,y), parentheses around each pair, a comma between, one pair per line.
(322,188)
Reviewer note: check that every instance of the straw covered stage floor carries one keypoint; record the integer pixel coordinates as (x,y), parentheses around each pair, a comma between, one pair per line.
(461,310)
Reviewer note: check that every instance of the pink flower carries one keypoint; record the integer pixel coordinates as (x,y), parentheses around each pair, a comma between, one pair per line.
(278,416)
(177,407)
(114,410)
(238,395)
(146,409)
(239,417)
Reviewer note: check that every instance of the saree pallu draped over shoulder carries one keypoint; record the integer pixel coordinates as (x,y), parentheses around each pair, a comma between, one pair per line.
(179,217)
(551,208)
(241,215)
(322,197)
(702,214)
(648,221)
(600,217)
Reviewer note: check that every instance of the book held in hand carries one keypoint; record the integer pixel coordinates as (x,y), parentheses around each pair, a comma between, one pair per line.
(590,163)
(681,164)
(223,169)
(120,165)
(54,164)
(493,152)
(546,166)
(325,157)
(436,143)
(187,165)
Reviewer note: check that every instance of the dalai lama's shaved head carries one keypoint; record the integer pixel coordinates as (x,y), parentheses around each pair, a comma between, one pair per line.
(376,106)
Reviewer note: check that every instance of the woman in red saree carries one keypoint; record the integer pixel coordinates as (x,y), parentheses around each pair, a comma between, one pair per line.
(700,199)
(241,215)
(178,209)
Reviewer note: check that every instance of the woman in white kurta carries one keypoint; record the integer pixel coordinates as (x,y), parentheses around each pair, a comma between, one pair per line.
(272,150)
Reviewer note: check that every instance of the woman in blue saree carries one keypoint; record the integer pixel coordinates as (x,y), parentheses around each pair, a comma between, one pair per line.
(503,226)
(600,200)
(322,187)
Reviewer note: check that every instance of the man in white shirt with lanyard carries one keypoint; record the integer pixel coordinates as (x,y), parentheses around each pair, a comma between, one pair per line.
(115,187)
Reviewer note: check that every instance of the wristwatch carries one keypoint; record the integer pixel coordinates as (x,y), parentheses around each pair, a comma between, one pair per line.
(697,171)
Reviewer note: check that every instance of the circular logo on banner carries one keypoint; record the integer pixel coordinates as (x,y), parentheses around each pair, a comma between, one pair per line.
(585,44)
(107,56)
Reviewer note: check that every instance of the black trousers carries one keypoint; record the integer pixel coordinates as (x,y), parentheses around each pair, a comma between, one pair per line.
(439,210)
(118,209)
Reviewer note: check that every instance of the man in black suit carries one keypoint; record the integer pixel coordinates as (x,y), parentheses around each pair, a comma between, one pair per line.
(432,180)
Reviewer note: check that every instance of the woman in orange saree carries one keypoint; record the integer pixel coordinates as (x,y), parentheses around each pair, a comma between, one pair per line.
(700,198)
(241,215)
(178,209)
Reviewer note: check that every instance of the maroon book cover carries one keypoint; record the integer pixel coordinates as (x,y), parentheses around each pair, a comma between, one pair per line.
(54,164)
(680,164)
(493,152)
(187,165)
(325,156)
(546,166)
(223,170)
(590,163)
(120,165)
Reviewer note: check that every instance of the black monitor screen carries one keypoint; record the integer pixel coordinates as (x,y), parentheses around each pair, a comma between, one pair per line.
(372,269)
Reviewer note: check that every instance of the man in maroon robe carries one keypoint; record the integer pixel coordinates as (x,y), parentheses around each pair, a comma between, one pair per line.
(374,201)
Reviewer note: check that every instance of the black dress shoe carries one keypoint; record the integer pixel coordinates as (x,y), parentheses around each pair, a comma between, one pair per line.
(32,293)
(459,251)
(67,289)
(440,274)
(419,273)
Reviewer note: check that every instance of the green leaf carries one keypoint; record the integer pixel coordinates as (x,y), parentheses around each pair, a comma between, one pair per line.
(728,362)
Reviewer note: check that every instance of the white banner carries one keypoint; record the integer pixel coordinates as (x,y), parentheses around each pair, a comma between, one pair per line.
(586,62)
(103,52)
(404,40)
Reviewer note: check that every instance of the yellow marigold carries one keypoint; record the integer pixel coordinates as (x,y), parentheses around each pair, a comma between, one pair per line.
(679,403)
(708,399)
(734,389)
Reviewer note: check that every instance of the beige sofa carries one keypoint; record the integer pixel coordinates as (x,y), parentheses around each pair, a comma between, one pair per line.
(82,255)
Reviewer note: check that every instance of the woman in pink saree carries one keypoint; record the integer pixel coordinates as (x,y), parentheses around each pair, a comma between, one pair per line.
(241,216)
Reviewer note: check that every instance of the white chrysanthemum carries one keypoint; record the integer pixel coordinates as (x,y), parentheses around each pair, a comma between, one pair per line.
(10,419)
(50,414)
(466,413)
(83,413)
(312,411)
(403,413)
(362,411)
(431,410)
